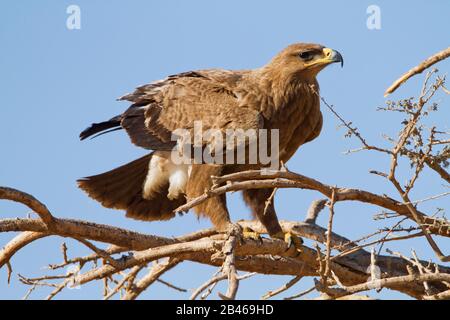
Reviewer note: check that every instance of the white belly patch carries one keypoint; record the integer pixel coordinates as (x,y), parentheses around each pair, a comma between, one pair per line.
(162,170)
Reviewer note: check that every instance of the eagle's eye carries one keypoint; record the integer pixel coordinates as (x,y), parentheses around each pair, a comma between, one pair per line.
(306,55)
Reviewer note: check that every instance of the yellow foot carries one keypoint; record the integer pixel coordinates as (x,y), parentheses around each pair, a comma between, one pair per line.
(291,240)
(249,233)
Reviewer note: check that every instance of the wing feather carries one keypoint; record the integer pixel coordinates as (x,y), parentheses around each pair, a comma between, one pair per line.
(210,97)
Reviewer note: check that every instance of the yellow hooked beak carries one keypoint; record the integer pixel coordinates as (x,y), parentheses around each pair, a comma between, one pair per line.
(329,56)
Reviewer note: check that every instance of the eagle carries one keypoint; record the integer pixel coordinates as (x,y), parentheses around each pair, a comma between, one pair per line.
(282,95)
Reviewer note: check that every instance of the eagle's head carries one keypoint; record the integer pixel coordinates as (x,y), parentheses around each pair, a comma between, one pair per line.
(304,60)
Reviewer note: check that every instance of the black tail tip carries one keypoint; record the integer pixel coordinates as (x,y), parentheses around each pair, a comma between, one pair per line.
(98,129)
(84,134)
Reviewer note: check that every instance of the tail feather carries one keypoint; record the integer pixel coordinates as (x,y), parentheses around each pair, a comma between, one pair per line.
(97,129)
(122,188)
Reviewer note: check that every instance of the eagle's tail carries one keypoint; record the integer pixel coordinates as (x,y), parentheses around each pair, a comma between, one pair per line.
(98,129)
(122,188)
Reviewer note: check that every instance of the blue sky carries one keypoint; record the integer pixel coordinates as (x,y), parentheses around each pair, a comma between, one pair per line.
(54,82)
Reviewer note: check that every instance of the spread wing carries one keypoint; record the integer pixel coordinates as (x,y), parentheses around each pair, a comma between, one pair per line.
(210,98)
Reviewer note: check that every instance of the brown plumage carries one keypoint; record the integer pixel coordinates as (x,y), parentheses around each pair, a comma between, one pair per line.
(281,95)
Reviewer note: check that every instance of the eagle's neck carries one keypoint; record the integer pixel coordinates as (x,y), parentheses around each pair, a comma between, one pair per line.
(286,91)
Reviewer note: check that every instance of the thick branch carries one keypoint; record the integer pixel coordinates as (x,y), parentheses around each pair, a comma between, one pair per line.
(250,256)
(28,200)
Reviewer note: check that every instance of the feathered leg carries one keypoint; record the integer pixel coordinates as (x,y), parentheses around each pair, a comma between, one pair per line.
(215,208)
(257,200)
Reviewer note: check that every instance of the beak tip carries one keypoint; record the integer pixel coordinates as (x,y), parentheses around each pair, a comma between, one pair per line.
(339,58)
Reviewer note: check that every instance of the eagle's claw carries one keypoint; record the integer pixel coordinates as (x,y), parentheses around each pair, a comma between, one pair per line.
(249,233)
(291,240)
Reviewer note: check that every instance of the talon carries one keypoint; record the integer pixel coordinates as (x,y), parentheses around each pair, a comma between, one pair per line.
(291,240)
(288,240)
(249,233)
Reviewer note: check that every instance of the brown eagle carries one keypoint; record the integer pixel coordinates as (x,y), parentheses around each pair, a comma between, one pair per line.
(280,95)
